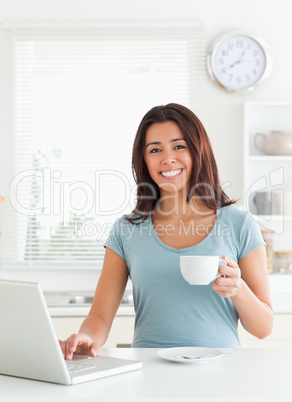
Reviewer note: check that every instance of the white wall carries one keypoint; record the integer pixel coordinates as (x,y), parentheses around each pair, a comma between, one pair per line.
(270,19)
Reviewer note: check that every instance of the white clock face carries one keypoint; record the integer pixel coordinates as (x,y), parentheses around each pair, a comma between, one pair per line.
(238,62)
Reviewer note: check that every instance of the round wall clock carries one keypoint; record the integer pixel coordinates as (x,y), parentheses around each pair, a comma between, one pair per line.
(238,61)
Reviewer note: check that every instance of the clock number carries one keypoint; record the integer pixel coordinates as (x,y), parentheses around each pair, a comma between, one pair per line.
(239,43)
(247,78)
(223,71)
(230,46)
(230,76)
(255,53)
(225,53)
(238,80)
(257,62)
(221,61)
(254,71)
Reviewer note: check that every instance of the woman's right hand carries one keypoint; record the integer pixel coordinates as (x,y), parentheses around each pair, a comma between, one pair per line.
(78,343)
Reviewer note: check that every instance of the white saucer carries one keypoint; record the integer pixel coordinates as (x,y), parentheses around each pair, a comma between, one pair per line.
(175,354)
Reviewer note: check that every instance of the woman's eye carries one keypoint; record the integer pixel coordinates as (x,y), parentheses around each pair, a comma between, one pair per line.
(180,147)
(154,150)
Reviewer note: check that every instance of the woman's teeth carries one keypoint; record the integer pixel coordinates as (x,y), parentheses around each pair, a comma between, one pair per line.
(171,173)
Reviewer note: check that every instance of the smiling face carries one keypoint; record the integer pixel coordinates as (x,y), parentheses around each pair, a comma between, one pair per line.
(167,157)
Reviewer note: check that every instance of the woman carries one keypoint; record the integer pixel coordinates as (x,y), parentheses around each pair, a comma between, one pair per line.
(181,210)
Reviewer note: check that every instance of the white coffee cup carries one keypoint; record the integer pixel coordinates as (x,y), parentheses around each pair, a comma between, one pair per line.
(200,269)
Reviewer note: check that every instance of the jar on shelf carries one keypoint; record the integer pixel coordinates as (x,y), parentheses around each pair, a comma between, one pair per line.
(268,236)
(283,262)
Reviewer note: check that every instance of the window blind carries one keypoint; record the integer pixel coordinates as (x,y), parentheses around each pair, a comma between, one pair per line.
(71,100)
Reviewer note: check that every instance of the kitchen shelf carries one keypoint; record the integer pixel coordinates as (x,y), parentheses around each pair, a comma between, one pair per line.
(276,218)
(269,158)
(264,172)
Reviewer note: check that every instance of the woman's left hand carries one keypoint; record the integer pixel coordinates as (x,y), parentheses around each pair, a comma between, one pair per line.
(229,284)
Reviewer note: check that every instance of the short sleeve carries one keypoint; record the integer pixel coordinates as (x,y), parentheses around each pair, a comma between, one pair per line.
(250,236)
(115,241)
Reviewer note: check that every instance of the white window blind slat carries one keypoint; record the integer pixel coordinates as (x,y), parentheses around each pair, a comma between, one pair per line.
(71,100)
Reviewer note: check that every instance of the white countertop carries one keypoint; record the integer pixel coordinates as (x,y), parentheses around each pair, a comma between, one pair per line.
(282,304)
(84,310)
(244,375)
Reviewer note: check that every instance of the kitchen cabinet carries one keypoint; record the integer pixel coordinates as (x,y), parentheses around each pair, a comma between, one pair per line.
(281,337)
(120,336)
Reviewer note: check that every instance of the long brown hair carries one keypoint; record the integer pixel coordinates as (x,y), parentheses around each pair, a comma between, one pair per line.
(204,180)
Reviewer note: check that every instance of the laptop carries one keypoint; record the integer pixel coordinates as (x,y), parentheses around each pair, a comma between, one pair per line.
(29,347)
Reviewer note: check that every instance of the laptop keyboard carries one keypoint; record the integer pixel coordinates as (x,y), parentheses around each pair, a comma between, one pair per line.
(75,367)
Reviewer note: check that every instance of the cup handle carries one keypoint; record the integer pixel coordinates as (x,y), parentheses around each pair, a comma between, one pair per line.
(220,263)
(257,135)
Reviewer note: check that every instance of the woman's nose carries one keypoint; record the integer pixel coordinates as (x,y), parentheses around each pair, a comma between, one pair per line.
(168,157)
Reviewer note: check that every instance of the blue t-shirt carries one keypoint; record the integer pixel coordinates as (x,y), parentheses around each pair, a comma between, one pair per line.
(169,311)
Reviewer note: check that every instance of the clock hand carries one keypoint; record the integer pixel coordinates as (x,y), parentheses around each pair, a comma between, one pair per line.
(249,60)
(232,65)
(243,53)
(238,61)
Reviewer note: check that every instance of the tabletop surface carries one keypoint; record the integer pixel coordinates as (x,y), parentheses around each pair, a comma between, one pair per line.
(239,375)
